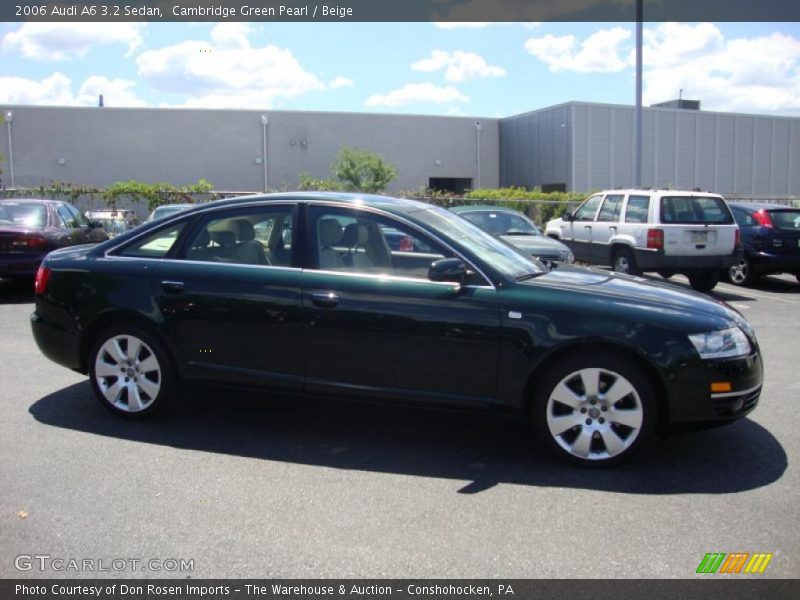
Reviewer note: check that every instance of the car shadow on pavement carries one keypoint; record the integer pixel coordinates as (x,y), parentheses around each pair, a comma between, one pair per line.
(16,291)
(476,451)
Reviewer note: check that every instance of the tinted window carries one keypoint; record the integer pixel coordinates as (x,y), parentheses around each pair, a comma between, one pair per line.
(67,218)
(501,222)
(743,217)
(258,236)
(611,208)
(77,215)
(365,243)
(588,209)
(785,219)
(154,245)
(638,207)
(23,214)
(688,210)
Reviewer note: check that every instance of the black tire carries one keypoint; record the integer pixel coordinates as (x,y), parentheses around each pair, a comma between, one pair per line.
(140,390)
(599,409)
(666,274)
(704,281)
(623,262)
(797,276)
(741,274)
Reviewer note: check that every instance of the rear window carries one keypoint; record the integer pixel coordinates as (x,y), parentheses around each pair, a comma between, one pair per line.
(691,210)
(23,214)
(786,219)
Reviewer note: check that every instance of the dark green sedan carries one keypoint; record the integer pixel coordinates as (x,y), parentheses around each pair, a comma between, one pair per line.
(302,293)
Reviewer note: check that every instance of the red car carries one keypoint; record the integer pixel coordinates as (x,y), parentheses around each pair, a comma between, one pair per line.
(30,228)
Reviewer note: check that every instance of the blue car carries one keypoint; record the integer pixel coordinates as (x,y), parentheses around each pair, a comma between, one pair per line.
(771,241)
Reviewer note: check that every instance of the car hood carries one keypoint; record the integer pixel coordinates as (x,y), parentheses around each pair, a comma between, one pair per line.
(638,298)
(532,244)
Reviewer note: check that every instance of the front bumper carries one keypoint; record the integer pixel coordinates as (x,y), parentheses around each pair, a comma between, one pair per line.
(655,260)
(692,401)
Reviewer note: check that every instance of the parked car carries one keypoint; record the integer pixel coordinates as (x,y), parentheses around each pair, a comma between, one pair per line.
(166,210)
(667,231)
(771,241)
(113,222)
(30,228)
(598,361)
(517,229)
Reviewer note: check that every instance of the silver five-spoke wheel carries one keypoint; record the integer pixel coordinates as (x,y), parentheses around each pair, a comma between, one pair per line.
(127,373)
(594,414)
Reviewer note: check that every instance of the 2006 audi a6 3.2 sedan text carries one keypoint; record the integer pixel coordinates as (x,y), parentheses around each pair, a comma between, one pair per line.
(300,292)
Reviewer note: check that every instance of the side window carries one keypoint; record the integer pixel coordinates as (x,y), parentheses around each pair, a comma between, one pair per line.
(638,207)
(67,218)
(81,220)
(154,245)
(588,209)
(366,243)
(743,218)
(611,208)
(257,236)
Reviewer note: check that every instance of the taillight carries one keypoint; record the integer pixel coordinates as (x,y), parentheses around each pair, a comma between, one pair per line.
(42,277)
(35,242)
(406,244)
(655,239)
(738,240)
(762,218)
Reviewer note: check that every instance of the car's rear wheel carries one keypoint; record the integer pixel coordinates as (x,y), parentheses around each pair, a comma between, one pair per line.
(130,372)
(594,410)
(741,273)
(624,262)
(704,281)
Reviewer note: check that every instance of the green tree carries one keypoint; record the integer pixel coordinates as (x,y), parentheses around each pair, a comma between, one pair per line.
(362,170)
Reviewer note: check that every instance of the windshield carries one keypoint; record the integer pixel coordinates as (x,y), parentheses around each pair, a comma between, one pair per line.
(503,257)
(23,214)
(499,222)
(690,210)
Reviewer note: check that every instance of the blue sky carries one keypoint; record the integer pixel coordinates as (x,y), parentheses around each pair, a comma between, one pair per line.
(420,68)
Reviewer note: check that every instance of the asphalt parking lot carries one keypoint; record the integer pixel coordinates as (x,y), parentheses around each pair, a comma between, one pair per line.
(287,488)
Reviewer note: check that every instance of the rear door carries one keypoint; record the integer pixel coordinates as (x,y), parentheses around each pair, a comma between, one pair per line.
(606,226)
(697,225)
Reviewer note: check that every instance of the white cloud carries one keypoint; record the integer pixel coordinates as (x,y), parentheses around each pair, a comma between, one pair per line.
(760,74)
(599,53)
(340,82)
(56,90)
(417,93)
(229,74)
(65,41)
(458,66)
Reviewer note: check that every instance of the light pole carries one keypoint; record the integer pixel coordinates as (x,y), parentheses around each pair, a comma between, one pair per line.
(264,124)
(10,117)
(638,144)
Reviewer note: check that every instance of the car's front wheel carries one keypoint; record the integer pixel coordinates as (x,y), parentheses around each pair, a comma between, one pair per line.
(594,409)
(130,372)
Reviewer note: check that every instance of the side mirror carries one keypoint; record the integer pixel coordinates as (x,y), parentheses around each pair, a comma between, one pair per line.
(95,224)
(567,216)
(450,270)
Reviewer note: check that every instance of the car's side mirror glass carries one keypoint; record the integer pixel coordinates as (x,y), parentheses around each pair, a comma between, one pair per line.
(567,216)
(450,270)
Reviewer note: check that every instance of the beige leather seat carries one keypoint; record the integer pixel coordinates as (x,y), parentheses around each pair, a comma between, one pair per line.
(248,250)
(355,239)
(329,232)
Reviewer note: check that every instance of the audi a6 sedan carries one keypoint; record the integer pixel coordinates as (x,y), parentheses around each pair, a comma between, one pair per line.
(301,292)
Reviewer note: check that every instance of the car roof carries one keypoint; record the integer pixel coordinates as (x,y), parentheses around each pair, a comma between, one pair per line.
(659,192)
(42,200)
(756,206)
(390,204)
(464,208)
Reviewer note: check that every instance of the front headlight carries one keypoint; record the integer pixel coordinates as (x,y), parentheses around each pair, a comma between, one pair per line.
(725,343)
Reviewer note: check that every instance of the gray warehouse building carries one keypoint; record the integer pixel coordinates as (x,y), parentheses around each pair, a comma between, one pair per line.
(576,146)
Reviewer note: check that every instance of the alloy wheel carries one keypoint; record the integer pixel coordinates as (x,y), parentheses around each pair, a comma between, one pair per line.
(595,414)
(127,373)
(739,273)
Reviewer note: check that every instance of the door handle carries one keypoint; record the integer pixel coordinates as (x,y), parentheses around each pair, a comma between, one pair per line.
(325,299)
(587,226)
(614,227)
(172,287)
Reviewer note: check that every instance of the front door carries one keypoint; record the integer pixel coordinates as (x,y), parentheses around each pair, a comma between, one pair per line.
(377,325)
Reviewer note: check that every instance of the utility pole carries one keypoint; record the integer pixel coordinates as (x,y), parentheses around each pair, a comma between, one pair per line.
(638,145)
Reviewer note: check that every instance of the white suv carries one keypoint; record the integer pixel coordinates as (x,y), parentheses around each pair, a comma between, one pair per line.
(667,231)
